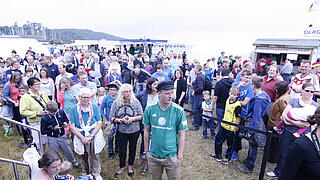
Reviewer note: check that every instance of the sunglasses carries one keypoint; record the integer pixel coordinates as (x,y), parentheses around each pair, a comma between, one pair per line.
(309,91)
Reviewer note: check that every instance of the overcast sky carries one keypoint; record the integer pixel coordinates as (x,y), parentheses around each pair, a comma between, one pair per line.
(230,25)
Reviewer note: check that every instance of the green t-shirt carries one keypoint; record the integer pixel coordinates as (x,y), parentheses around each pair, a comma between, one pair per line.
(165,127)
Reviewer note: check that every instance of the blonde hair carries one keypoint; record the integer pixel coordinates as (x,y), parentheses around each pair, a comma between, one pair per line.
(235,90)
(206,93)
(125,87)
(64,80)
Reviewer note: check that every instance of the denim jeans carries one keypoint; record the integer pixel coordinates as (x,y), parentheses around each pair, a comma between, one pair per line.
(208,124)
(110,143)
(189,97)
(219,114)
(140,87)
(197,110)
(252,155)
(223,135)
(286,139)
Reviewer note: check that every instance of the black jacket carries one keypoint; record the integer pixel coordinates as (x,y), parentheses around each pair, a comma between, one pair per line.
(222,91)
(198,84)
(48,122)
(181,86)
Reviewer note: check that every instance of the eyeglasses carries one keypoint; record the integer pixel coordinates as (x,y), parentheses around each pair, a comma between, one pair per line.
(309,91)
(83,97)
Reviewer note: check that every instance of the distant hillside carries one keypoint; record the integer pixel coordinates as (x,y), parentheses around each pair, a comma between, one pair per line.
(69,35)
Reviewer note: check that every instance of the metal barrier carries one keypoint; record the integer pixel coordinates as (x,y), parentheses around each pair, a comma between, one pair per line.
(27,126)
(14,162)
(266,148)
(14,166)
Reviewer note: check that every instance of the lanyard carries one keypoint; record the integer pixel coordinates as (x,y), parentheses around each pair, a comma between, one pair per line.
(315,141)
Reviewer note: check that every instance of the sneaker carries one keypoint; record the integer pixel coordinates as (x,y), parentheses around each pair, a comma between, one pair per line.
(8,131)
(144,171)
(271,174)
(234,156)
(143,157)
(203,137)
(296,135)
(213,138)
(194,128)
(77,165)
(111,157)
(225,161)
(279,131)
(216,157)
(244,169)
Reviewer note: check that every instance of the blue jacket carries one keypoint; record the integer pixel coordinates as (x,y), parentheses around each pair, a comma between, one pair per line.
(257,109)
(143,98)
(6,95)
(105,106)
(48,122)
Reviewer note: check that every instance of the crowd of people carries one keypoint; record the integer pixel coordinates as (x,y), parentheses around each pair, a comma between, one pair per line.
(113,98)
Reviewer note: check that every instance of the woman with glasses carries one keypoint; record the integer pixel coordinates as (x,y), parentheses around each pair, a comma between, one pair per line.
(33,106)
(291,127)
(126,111)
(85,124)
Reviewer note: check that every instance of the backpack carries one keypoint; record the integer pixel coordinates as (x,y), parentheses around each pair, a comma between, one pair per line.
(207,84)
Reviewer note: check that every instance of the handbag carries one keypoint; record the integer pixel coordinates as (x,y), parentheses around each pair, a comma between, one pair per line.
(110,130)
(257,139)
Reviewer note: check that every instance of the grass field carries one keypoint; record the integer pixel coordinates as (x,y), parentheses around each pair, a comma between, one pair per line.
(196,164)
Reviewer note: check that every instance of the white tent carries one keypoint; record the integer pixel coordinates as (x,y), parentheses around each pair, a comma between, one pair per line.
(108,44)
(20,45)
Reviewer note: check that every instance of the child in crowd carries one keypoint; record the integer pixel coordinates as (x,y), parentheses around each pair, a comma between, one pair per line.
(226,131)
(65,169)
(27,137)
(52,125)
(296,115)
(207,108)
(92,75)
(114,76)
(105,113)
(100,95)
(4,111)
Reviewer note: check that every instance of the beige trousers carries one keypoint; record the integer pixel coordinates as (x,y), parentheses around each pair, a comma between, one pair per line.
(93,160)
(171,165)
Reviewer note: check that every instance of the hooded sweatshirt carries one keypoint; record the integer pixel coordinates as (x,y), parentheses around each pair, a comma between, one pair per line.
(257,108)
(221,90)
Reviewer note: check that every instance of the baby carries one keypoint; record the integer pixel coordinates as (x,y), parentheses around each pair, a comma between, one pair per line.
(65,168)
(297,114)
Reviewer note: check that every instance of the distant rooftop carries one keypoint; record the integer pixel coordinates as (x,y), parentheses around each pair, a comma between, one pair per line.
(288,42)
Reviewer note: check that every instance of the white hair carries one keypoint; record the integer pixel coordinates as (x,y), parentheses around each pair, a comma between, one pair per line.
(84,91)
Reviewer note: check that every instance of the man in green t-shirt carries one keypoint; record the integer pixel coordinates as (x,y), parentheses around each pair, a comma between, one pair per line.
(167,122)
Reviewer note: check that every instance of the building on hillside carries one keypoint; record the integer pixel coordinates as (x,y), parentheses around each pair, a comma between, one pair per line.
(281,49)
